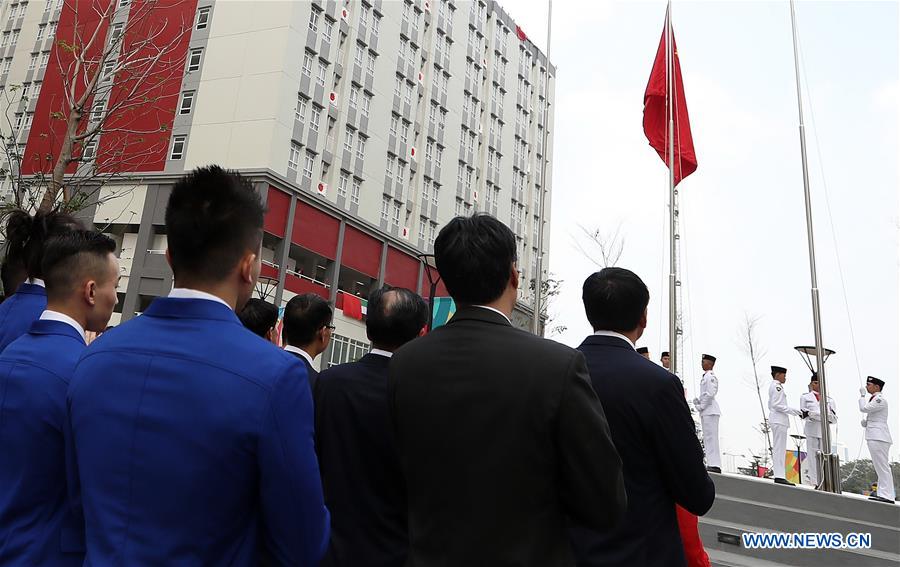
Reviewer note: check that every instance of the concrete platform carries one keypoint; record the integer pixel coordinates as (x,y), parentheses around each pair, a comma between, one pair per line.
(746,504)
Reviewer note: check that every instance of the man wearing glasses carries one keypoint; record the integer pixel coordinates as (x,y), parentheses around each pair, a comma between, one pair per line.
(307,330)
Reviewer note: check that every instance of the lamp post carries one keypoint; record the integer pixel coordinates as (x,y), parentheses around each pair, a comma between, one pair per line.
(434,277)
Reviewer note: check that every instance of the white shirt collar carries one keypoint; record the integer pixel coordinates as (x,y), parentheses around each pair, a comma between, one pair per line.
(379,352)
(36,281)
(49,315)
(300,351)
(495,311)
(614,334)
(185,293)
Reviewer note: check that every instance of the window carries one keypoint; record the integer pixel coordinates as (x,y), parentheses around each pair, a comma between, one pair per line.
(106,73)
(35,90)
(19,118)
(97,111)
(391,162)
(328,29)
(52,31)
(314,20)
(6,65)
(45,57)
(398,85)
(385,207)
(354,191)
(395,214)
(346,350)
(354,96)
(366,103)
(323,67)
(116,32)
(426,193)
(407,95)
(15,38)
(203,18)
(458,208)
(342,185)
(307,63)
(401,171)
(187,102)
(361,147)
(89,151)
(404,132)
(395,120)
(371,65)
(178,143)
(429,150)
(348,140)
(42,30)
(376,19)
(33,63)
(294,156)
(432,232)
(459,173)
(49,5)
(194,59)
(124,3)
(440,153)
(358,56)
(308,164)
(314,117)
(300,112)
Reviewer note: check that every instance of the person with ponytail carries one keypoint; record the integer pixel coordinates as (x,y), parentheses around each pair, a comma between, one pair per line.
(25,239)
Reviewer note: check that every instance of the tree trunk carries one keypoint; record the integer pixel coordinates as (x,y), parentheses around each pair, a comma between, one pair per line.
(57,180)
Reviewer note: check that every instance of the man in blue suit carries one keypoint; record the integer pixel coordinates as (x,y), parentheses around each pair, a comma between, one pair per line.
(193,437)
(651,427)
(361,472)
(25,240)
(36,525)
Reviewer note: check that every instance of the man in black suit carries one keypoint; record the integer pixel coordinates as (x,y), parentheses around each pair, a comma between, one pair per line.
(261,317)
(500,435)
(652,429)
(361,476)
(306,330)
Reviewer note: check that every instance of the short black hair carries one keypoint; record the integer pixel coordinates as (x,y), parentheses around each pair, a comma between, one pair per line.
(213,217)
(614,299)
(395,316)
(304,315)
(259,316)
(73,255)
(474,256)
(26,236)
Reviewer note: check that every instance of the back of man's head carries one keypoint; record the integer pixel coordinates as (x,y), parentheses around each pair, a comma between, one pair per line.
(395,316)
(81,273)
(259,316)
(304,316)
(615,299)
(26,237)
(213,219)
(475,256)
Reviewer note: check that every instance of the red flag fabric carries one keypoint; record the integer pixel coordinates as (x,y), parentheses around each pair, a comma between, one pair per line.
(694,554)
(521,34)
(656,120)
(352,306)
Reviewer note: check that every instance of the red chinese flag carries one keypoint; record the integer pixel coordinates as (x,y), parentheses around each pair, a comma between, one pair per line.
(521,34)
(352,306)
(656,120)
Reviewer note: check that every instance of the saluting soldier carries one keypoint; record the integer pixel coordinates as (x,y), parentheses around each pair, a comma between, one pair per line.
(709,413)
(779,410)
(812,428)
(878,435)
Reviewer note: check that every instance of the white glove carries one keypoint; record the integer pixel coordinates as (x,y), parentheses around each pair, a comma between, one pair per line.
(864,423)
(696,402)
(862,391)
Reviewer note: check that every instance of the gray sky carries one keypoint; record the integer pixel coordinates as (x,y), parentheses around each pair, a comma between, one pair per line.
(745,250)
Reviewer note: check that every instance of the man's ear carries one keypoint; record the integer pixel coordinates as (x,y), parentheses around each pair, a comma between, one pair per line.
(642,323)
(248,263)
(514,276)
(89,292)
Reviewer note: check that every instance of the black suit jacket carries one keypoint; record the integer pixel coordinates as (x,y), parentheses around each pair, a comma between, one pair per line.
(500,437)
(662,459)
(311,372)
(364,488)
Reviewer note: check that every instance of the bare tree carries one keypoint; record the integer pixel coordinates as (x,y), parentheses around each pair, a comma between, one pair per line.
(755,353)
(550,289)
(603,249)
(116,76)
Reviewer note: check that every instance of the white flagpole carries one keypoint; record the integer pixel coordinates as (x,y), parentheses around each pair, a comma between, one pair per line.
(539,265)
(670,93)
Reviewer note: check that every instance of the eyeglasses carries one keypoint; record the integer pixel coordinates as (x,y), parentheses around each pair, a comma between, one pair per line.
(330,327)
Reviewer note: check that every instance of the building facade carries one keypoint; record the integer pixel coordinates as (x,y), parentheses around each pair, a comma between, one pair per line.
(366,126)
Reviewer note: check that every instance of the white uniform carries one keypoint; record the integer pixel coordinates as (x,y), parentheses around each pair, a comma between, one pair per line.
(709,418)
(812,429)
(878,438)
(779,422)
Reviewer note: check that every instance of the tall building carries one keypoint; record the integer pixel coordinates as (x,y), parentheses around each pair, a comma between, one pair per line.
(366,126)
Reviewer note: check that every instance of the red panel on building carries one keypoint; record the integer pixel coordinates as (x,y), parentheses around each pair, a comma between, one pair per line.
(402,270)
(278,204)
(315,230)
(144,94)
(441,290)
(301,285)
(361,252)
(268,272)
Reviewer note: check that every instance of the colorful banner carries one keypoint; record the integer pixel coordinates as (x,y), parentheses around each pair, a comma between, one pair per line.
(792,465)
(444,308)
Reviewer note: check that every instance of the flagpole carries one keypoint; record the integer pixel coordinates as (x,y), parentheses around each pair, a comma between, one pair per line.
(831,479)
(539,265)
(670,91)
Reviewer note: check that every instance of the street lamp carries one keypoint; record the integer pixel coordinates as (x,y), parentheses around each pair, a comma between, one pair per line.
(829,463)
(434,277)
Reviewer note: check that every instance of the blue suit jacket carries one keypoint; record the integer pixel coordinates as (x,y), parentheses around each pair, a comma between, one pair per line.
(193,440)
(19,311)
(662,461)
(361,473)
(36,524)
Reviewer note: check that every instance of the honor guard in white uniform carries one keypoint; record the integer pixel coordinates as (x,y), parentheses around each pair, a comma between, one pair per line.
(779,410)
(812,428)
(709,414)
(878,437)
(665,360)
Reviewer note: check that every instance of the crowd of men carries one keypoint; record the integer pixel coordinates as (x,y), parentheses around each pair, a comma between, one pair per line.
(186,437)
